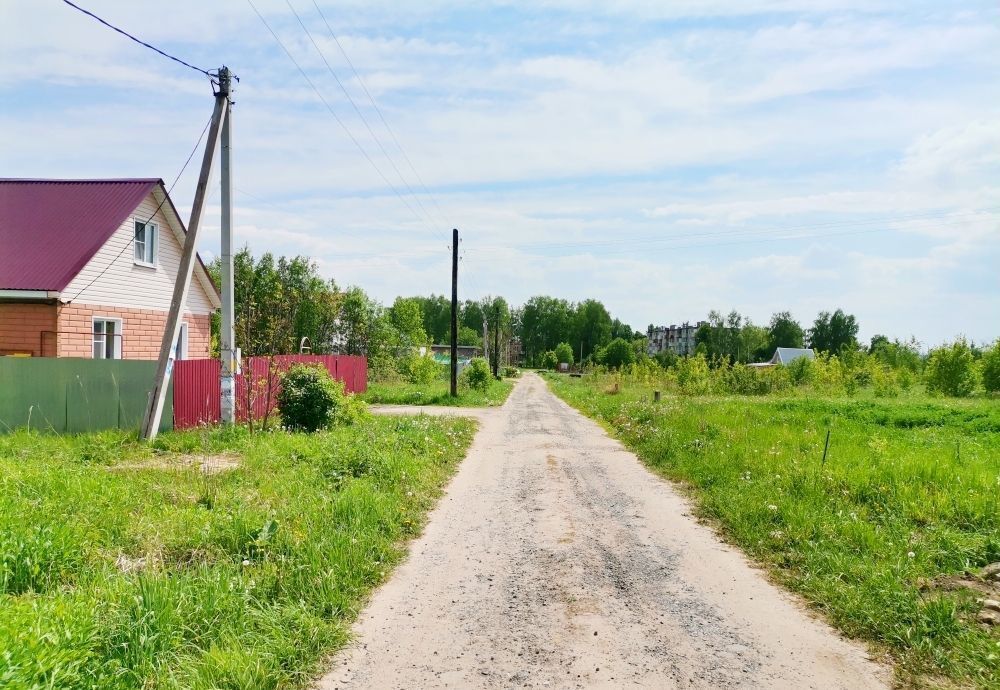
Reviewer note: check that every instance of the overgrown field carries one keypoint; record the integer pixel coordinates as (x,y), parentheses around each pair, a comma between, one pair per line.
(216,559)
(437,393)
(880,537)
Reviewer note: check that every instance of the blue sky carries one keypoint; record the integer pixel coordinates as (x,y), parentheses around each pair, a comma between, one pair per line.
(665,157)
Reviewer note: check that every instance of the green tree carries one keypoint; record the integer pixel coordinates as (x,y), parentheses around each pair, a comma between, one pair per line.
(467,336)
(592,325)
(784,331)
(407,318)
(279,302)
(364,328)
(544,323)
(619,353)
(497,314)
(991,368)
(897,354)
(549,360)
(564,353)
(833,332)
(753,343)
(436,312)
(876,342)
(951,370)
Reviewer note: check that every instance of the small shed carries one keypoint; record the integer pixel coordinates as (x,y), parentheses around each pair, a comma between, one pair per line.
(787,355)
(784,356)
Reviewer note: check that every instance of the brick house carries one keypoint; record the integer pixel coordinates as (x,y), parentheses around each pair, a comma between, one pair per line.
(87,269)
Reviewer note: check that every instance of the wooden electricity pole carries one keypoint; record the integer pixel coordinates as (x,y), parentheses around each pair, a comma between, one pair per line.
(227,332)
(157,397)
(496,339)
(454,313)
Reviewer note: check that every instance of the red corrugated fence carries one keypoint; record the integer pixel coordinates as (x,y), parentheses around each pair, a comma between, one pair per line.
(197,389)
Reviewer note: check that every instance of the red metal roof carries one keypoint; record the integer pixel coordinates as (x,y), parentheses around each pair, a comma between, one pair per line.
(50,229)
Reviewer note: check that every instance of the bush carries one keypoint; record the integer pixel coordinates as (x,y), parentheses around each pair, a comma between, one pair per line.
(309,397)
(800,371)
(550,361)
(419,369)
(564,353)
(951,370)
(477,375)
(511,372)
(666,358)
(693,375)
(618,353)
(743,380)
(991,368)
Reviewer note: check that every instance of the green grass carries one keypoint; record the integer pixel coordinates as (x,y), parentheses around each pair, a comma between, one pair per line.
(910,492)
(250,576)
(437,393)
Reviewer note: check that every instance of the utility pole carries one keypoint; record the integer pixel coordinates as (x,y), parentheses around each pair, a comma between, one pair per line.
(157,397)
(496,339)
(454,313)
(227,336)
(486,338)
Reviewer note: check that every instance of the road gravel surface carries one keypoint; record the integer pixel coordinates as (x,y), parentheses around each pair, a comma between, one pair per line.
(557,560)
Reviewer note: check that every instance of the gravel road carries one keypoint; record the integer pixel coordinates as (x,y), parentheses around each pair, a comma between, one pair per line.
(556,560)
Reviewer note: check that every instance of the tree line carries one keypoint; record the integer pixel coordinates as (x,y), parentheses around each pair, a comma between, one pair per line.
(283,304)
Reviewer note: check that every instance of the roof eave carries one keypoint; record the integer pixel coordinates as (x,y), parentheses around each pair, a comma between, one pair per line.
(29,295)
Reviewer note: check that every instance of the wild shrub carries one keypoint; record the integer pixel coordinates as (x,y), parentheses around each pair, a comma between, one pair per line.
(564,353)
(951,370)
(477,375)
(884,381)
(550,361)
(800,371)
(991,368)
(618,354)
(693,375)
(309,397)
(744,380)
(419,369)
(511,372)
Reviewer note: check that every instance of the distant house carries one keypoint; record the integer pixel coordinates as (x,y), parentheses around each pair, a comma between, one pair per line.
(786,355)
(87,269)
(677,339)
(442,353)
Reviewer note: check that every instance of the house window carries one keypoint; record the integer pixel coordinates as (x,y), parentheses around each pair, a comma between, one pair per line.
(107,338)
(145,243)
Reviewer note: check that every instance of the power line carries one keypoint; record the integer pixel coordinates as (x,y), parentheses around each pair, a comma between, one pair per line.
(153,215)
(332,111)
(379,111)
(138,40)
(364,120)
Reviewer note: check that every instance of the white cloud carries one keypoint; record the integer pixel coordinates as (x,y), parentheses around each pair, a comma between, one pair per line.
(587,126)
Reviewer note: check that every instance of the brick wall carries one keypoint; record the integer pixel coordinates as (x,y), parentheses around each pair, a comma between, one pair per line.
(142,331)
(27,328)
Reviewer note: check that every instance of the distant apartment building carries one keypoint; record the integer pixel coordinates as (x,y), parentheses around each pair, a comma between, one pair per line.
(677,339)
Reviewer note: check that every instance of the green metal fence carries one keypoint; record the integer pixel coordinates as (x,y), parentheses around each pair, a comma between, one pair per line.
(72,395)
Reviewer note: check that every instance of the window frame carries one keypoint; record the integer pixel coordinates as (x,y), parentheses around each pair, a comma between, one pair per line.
(116,339)
(150,242)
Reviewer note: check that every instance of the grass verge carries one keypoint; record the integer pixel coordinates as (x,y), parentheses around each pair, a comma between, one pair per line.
(125,566)
(437,393)
(880,537)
